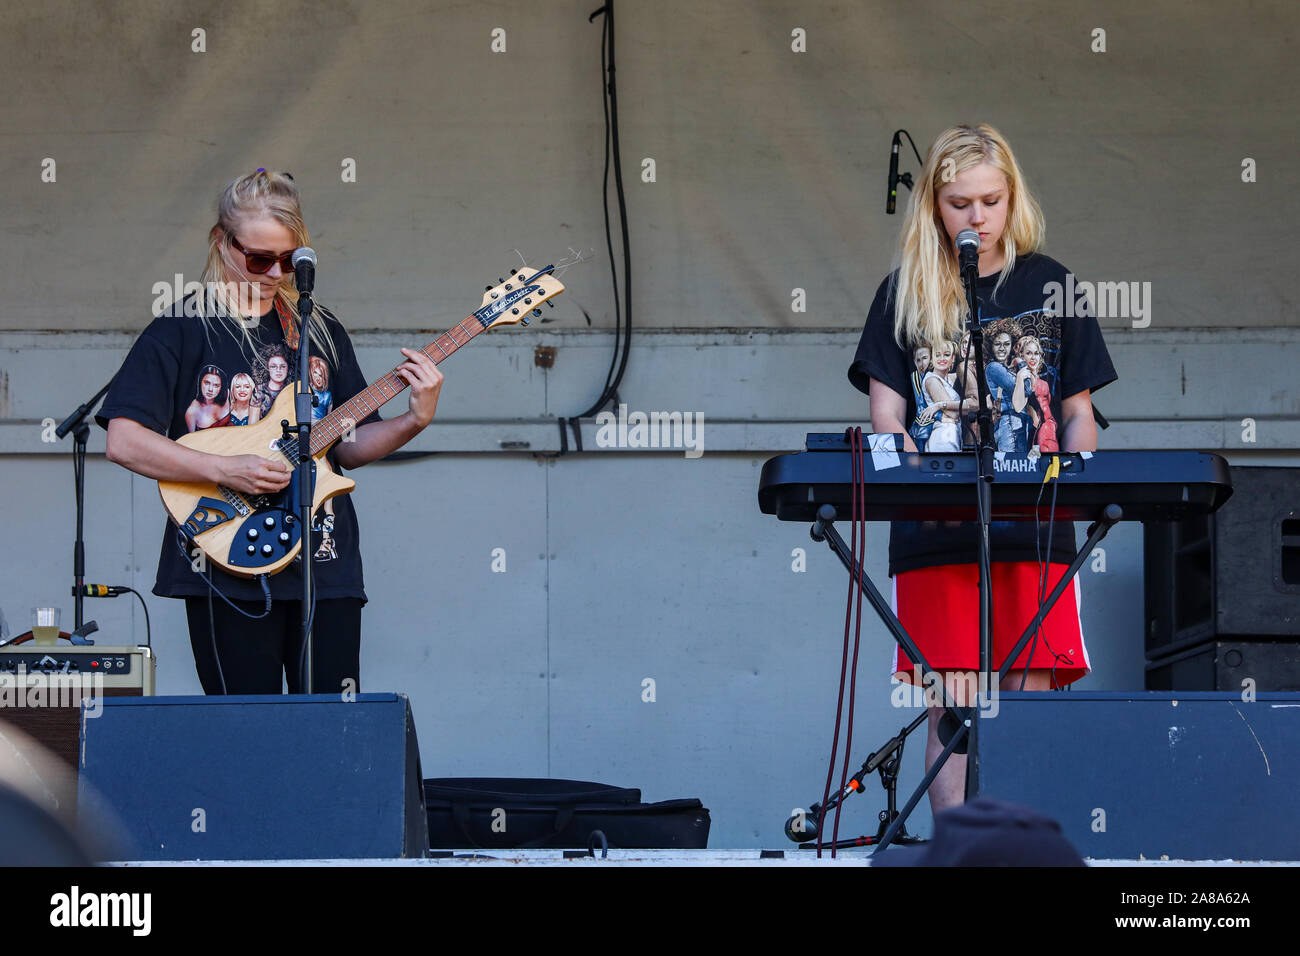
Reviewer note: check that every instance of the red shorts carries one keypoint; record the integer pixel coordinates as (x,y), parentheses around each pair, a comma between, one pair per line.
(939,608)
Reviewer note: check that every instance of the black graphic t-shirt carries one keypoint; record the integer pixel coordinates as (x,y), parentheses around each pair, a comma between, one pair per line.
(1034,358)
(181,377)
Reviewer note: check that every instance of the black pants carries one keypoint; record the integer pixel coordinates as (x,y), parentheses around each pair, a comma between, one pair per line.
(257,657)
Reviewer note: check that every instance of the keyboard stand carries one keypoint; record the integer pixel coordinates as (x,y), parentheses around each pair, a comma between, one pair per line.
(966,718)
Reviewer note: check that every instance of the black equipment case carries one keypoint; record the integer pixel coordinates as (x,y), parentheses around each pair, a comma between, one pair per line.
(516,813)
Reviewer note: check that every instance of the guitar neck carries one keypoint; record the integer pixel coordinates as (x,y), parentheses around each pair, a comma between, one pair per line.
(384,389)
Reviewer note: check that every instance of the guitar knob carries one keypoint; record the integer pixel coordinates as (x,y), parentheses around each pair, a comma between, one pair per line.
(252,550)
(269,522)
(252,534)
(267,549)
(284,537)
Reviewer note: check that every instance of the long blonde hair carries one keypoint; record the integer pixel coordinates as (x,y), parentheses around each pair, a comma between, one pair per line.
(929,304)
(263,193)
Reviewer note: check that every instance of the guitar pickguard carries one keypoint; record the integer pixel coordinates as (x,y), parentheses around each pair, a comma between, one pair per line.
(207,514)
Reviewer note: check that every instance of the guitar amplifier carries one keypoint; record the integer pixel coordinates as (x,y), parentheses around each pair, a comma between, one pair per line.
(41,688)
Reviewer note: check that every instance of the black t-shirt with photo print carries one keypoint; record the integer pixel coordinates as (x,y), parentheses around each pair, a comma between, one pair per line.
(1034,358)
(184,374)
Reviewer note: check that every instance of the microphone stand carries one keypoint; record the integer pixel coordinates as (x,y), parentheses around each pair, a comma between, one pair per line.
(304,261)
(969,261)
(76,423)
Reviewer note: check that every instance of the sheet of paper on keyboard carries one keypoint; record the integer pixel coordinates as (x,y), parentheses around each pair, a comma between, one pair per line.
(884,453)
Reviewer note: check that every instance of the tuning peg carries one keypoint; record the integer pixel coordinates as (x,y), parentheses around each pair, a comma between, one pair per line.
(513,271)
(524,320)
(500,279)
(537,313)
(550,303)
(487,288)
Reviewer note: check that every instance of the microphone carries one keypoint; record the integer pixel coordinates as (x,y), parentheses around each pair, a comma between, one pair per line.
(968,244)
(893,176)
(803,829)
(304,268)
(99,590)
(968,254)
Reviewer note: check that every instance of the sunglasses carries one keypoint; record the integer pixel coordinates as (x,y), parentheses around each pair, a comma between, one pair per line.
(259,263)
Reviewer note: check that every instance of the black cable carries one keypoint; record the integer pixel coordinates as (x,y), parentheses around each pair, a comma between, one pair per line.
(606,91)
(1043,568)
(1057,659)
(854,450)
(914,150)
(266,589)
(148,631)
(623,316)
(302,651)
(216,655)
(860,559)
(1042,573)
(212,624)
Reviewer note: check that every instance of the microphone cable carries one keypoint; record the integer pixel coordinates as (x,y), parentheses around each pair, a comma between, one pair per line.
(181,537)
(89,590)
(1044,566)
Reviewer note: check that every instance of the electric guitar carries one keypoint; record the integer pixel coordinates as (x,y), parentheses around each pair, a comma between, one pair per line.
(249,535)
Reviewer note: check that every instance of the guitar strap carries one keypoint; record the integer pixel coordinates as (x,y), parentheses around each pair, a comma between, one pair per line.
(287,324)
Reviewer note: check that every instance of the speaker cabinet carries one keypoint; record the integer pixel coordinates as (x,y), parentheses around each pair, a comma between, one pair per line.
(1233,574)
(258,777)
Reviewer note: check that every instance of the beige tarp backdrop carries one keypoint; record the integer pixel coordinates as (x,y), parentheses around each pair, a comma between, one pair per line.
(769,163)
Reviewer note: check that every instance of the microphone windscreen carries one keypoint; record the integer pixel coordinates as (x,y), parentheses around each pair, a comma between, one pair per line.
(968,239)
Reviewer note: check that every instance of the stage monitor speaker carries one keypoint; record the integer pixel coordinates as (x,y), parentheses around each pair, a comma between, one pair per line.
(258,777)
(1195,776)
(1235,573)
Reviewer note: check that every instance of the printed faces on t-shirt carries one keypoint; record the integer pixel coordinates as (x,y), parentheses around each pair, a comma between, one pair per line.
(1022,357)
(245,396)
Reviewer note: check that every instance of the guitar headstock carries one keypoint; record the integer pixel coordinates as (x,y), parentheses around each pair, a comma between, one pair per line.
(522,294)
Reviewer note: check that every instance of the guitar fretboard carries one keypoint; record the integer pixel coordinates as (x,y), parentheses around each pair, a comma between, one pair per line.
(383,390)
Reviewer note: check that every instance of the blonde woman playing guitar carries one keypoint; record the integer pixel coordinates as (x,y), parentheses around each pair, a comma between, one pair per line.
(259,224)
